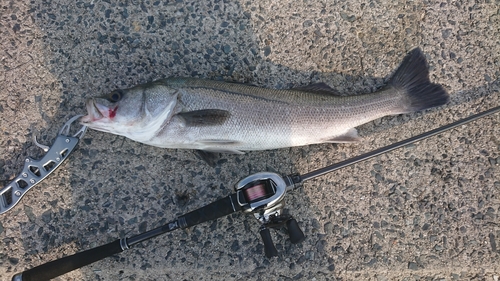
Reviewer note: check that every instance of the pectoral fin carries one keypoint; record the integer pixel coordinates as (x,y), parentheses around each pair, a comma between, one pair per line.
(204,117)
(348,137)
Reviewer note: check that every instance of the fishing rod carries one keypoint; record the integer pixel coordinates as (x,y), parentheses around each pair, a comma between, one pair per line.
(261,194)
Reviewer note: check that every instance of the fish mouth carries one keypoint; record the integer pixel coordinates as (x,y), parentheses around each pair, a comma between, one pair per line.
(94,112)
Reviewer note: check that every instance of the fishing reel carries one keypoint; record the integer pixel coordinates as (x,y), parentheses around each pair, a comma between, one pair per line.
(263,195)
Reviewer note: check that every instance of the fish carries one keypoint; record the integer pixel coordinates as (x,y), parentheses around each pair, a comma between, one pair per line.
(223,117)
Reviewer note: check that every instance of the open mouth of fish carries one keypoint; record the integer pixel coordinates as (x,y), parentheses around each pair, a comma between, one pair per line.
(94,111)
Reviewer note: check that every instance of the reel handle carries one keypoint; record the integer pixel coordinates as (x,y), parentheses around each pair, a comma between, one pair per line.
(269,248)
(294,231)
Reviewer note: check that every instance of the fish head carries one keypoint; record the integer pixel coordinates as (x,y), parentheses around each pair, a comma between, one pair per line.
(129,112)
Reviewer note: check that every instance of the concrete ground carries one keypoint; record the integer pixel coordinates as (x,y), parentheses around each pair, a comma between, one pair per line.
(429,211)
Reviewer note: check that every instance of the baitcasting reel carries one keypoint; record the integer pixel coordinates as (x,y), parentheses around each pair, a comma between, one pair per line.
(262,194)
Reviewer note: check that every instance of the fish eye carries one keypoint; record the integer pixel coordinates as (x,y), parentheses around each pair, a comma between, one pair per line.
(115,96)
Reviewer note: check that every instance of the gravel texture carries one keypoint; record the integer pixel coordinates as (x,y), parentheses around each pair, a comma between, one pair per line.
(428,211)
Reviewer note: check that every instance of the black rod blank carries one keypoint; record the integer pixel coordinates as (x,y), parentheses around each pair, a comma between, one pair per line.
(393,146)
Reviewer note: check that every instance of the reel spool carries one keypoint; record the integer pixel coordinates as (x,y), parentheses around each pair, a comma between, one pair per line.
(262,194)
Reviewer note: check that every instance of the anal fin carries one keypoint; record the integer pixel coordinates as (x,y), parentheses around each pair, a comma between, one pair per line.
(350,136)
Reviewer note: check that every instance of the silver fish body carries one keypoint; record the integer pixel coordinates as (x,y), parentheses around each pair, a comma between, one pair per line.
(215,116)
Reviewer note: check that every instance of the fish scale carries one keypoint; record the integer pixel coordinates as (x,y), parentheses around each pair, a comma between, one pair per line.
(217,116)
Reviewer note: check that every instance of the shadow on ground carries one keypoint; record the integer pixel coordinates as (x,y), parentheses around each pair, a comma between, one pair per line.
(387,217)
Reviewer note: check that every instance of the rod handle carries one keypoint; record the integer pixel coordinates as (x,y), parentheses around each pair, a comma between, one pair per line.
(212,211)
(64,265)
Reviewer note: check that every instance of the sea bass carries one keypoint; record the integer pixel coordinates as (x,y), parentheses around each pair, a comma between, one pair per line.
(215,116)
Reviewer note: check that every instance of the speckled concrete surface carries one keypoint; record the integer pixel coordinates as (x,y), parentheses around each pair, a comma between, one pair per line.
(429,211)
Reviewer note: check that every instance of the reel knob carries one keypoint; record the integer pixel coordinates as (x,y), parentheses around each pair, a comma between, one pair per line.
(269,248)
(294,231)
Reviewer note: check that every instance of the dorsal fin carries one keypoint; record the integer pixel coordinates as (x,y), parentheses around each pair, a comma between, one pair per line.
(318,88)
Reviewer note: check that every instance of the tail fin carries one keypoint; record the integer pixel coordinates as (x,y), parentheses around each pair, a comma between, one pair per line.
(412,77)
